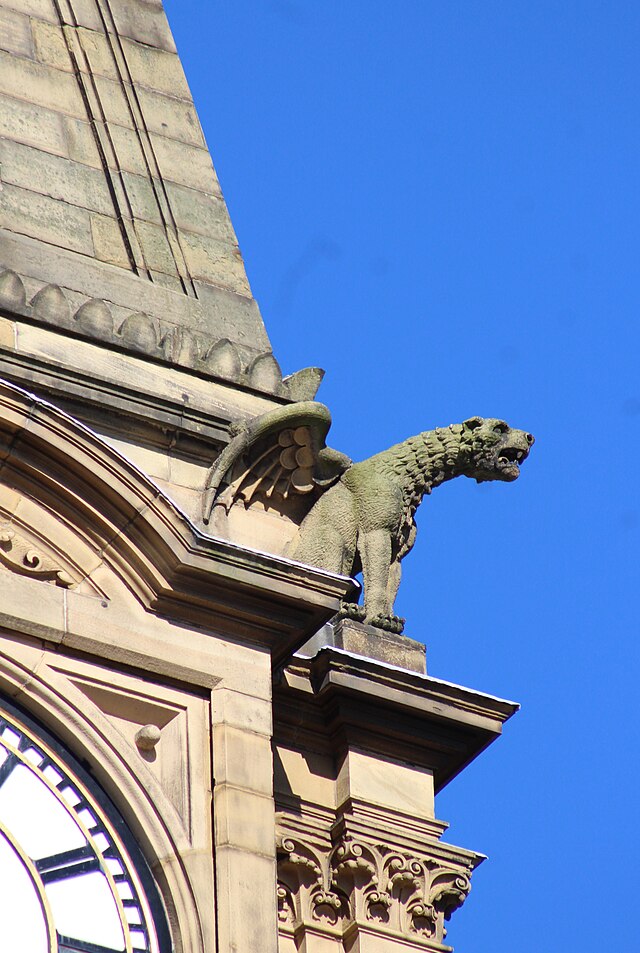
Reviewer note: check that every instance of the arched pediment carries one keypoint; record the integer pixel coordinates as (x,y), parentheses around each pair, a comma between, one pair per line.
(77,515)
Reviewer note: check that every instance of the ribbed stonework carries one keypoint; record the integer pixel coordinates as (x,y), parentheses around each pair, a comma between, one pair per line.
(111,215)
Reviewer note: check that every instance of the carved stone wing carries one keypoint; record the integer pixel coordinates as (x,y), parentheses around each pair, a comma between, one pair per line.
(275,456)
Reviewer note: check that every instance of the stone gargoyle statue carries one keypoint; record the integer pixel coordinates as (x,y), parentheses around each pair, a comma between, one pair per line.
(355,516)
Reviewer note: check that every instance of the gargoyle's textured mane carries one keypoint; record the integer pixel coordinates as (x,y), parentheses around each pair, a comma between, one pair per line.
(424,460)
(357,514)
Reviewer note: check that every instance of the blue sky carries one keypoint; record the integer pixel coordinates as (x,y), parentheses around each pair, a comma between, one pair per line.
(438,203)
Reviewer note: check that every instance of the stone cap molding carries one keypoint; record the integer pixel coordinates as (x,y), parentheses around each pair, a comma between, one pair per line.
(99,302)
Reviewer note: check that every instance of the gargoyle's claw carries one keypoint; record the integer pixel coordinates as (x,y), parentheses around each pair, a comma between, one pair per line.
(351,610)
(390,623)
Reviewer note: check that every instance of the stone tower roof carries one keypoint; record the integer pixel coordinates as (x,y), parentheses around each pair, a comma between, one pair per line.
(112,223)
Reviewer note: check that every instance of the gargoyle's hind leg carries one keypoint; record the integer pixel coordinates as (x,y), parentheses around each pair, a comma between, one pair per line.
(375,552)
(327,536)
(395,571)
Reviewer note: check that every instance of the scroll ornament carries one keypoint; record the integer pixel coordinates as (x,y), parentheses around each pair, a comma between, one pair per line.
(18,555)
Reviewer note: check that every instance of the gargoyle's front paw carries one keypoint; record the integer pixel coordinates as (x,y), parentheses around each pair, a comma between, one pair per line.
(390,623)
(351,610)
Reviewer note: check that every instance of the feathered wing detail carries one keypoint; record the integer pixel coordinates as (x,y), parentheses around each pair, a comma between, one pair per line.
(274,456)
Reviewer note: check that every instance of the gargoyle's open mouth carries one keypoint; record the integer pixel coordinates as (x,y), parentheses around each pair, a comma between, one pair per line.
(509,461)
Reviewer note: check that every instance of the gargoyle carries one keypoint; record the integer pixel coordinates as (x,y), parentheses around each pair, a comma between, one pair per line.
(356,516)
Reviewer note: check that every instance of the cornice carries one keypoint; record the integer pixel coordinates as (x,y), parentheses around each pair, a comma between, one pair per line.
(356,701)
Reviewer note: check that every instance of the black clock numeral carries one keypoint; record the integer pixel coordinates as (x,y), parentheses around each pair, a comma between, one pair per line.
(7,767)
(67,944)
(69,863)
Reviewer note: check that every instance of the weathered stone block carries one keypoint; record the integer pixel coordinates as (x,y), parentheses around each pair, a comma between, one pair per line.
(187,165)
(392,784)
(156,248)
(143,21)
(40,85)
(234,316)
(243,759)
(15,33)
(70,182)
(379,644)
(142,198)
(7,333)
(244,819)
(242,711)
(128,151)
(199,212)
(170,117)
(215,261)
(86,13)
(32,125)
(156,69)
(111,101)
(244,925)
(39,216)
(311,775)
(168,282)
(99,53)
(51,46)
(108,241)
(187,473)
(43,9)
(80,142)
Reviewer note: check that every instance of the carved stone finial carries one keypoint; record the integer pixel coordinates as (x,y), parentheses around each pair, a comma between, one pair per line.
(50,303)
(180,346)
(223,360)
(264,373)
(304,384)
(12,293)
(95,318)
(140,332)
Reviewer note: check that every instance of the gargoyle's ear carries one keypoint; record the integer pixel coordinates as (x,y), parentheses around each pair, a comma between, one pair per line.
(473,423)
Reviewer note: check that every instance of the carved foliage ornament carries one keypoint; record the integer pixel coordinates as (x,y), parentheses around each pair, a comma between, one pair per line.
(305,893)
(370,886)
(355,516)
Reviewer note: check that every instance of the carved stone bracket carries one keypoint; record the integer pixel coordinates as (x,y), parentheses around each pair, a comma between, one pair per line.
(306,894)
(357,885)
(18,555)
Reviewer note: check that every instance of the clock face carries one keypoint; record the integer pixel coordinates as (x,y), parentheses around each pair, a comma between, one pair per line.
(68,879)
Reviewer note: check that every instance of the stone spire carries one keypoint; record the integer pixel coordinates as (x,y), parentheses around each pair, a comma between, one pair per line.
(112,223)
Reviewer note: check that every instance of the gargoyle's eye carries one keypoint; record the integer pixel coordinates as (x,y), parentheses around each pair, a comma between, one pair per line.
(501,427)
(473,422)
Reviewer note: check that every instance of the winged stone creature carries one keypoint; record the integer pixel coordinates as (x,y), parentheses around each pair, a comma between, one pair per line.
(355,516)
